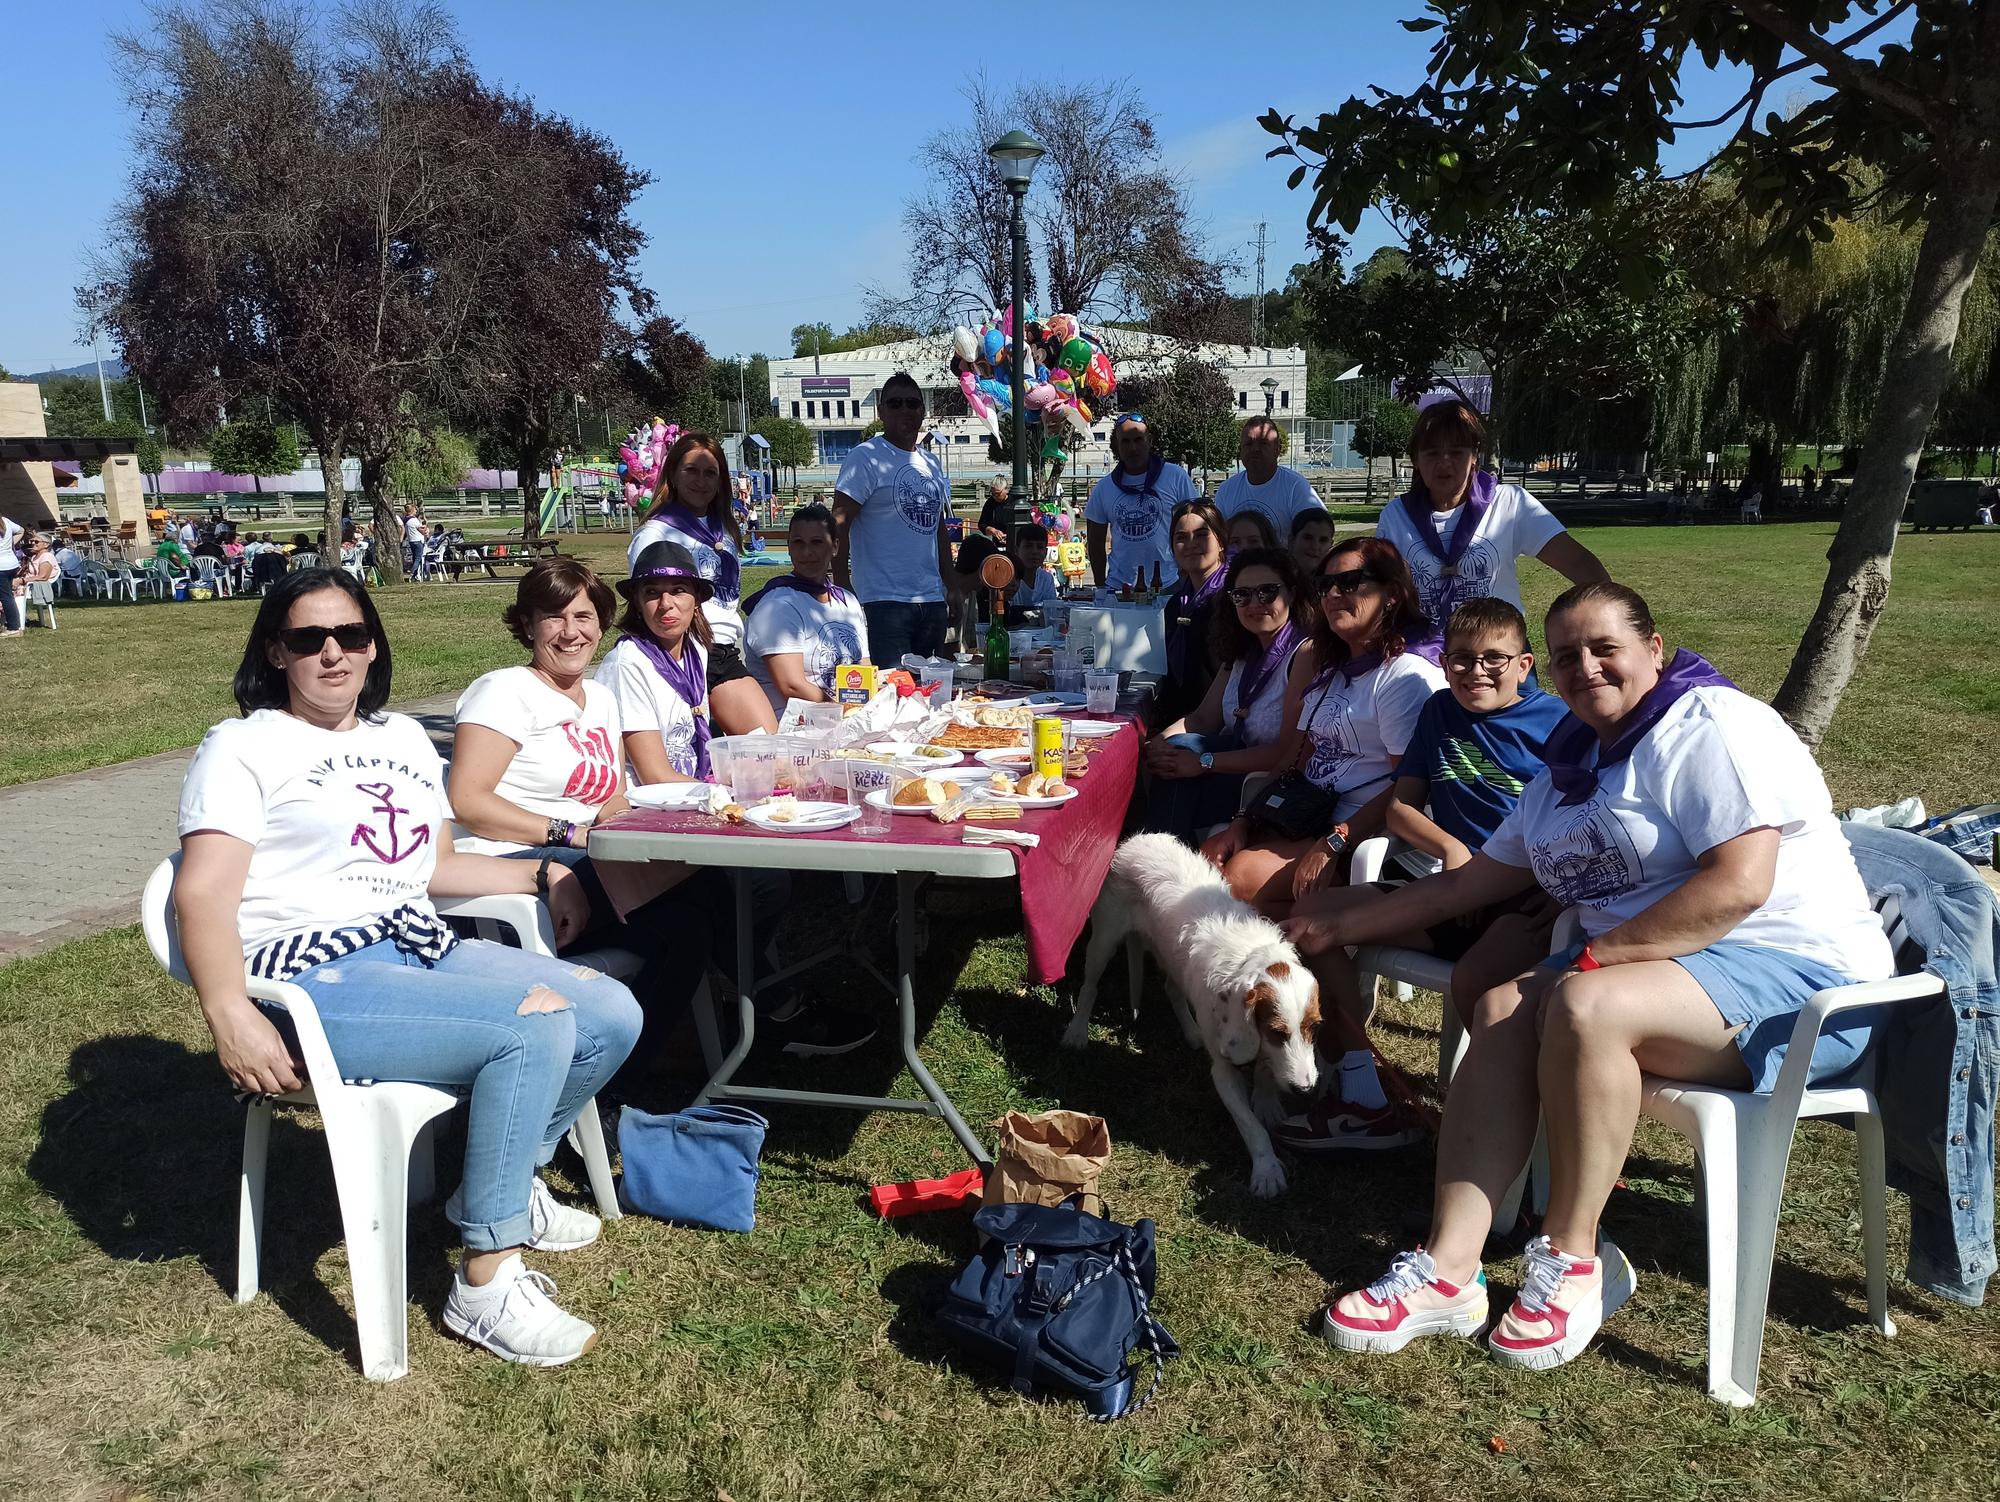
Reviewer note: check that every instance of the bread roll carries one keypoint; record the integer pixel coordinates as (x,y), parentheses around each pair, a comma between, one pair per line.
(920,792)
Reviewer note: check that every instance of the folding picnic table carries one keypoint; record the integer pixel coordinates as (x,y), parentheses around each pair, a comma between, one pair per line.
(1059,881)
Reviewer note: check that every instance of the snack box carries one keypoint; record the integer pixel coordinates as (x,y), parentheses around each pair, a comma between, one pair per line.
(854,684)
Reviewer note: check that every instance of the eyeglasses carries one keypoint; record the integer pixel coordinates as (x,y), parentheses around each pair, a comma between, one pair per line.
(1346,581)
(1257,594)
(902,404)
(1494,662)
(310,641)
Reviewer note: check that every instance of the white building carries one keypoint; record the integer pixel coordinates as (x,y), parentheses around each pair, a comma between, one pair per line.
(835,395)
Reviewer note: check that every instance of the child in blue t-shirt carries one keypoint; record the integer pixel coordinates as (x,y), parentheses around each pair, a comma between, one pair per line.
(1477,744)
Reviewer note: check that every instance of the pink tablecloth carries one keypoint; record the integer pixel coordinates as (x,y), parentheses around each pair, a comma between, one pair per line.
(1059,877)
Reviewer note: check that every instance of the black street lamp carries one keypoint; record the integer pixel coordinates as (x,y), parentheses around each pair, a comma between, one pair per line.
(1270,385)
(1017,152)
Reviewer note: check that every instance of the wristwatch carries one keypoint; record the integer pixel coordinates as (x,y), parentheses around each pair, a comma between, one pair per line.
(1207,760)
(1336,841)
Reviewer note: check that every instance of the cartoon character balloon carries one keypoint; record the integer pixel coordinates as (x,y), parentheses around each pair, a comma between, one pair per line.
(641,457)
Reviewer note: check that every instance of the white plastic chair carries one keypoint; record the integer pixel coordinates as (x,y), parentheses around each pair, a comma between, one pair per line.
(378,1135)
(1743,1143)
(214,574)
(119,579)
(41,596)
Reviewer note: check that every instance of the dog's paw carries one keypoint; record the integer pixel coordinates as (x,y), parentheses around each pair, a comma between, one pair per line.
(1077,1034)
(1267,1178)
(1266,1105)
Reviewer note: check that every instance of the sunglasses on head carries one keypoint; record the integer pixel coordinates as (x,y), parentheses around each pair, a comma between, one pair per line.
(1256,594)
(902,404)
(310,641)
(1346,581)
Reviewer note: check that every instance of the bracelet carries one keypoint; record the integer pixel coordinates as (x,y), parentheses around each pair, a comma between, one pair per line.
(559,832)
(542,877)
(1588,960)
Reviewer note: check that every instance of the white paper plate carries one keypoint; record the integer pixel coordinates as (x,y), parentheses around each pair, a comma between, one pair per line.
(1070,790)
(1092,730)
(917,754)
(1005,758)
(1049,703)
(670,795)
(813,818)
(880,799)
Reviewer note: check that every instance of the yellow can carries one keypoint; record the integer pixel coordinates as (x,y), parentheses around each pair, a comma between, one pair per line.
(1048,744)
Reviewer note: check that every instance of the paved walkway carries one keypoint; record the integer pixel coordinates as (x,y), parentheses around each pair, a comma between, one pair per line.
(80,847)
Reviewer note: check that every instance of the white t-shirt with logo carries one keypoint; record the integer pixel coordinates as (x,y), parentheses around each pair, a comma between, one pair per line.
(1717,765)
(568,764)
(345,823)
(1357,731)
(646,701)
(723,609)
(824,635)
(892,545)
(1280,498)
(1136,523)
(1515,525)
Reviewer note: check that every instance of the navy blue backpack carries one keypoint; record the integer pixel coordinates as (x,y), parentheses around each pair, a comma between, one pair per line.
(1060,1299)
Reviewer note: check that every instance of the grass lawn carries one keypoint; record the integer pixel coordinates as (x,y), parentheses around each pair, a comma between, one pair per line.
(799,1361)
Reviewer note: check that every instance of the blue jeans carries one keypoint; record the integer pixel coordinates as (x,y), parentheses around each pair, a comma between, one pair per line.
(1185,806)
(896,627)
(455,1025)
(10,609)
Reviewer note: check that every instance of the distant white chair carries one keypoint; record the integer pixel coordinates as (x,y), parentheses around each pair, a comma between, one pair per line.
(120,580)
(213,573)
(41,596)
(305,560)
(377,1134)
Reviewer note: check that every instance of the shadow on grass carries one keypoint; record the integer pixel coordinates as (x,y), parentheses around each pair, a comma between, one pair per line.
(144,1153)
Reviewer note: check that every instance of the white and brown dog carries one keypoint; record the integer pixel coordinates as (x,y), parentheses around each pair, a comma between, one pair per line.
(1239,989)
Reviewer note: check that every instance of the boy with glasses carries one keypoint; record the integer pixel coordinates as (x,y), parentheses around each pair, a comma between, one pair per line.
(890,545)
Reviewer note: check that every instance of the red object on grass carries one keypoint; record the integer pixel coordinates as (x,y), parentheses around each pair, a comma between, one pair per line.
(919,1195)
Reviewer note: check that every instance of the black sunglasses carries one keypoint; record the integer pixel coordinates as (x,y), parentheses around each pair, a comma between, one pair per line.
(902,404)
(310,641)
(1346,581)
(1256,594)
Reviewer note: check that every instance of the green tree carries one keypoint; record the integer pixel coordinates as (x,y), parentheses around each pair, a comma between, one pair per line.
(858,336)
(435,459)
(1189,412)
(791,441)
(1531,107)
(1383,432)
(256,449)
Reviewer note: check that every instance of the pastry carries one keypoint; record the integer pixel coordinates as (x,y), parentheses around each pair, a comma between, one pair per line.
(732,813)
(920,792)
(1031,785)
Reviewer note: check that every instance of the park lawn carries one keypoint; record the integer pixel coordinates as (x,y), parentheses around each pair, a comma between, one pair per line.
(119,681)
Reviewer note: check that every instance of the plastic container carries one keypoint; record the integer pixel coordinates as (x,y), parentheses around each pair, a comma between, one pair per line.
(753,767)
(1100,690)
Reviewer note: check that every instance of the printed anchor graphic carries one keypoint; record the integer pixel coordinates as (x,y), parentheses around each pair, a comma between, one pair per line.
(385,803)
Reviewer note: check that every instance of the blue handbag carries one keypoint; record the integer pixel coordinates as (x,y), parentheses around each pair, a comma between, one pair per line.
(697,1166)
(1061,1299)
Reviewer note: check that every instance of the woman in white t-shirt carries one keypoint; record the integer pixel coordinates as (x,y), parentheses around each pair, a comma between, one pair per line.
(10,564)
(1197,764)
(538,758)
(314,832)
(1693,834)
(802,625)
(1351,704)
(693,508)
(1461,531)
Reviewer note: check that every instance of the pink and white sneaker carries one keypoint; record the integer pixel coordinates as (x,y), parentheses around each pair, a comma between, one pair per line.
(1407,1301)
(1562,1303)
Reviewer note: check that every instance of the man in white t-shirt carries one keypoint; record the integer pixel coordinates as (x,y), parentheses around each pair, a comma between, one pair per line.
(415,534)
(1263,484)
(890,543)
(1130,507)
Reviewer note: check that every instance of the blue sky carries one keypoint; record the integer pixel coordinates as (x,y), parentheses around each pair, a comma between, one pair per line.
(781,135)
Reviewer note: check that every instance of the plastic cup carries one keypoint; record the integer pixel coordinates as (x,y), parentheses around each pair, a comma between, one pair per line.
(1100,690)
(1067,680)
(753,771)
(874,822)
(821,717)
(934,674)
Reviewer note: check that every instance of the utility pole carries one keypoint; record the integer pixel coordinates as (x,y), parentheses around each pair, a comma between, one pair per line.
(1257,305)
(103,391)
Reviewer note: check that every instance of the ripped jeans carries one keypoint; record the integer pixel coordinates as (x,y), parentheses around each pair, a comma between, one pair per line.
(456,1025)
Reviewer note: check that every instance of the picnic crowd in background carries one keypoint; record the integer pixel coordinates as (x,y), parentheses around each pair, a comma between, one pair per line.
(1389,680)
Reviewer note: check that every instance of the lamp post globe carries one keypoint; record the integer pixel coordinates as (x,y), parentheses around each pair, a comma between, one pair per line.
(1015,154)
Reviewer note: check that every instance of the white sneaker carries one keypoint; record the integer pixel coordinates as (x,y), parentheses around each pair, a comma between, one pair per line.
(553,1226)
(516,1318)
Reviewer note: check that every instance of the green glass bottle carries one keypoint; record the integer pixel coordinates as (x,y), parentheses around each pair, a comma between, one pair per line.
(996,647)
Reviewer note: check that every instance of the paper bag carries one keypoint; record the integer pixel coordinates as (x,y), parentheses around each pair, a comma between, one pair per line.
(1044,1159)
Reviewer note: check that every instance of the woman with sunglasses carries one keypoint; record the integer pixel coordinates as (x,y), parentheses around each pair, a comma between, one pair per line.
(314,833)
(1354,701)
(693,508)
(1194,532)
(1198,763)
(1694,836)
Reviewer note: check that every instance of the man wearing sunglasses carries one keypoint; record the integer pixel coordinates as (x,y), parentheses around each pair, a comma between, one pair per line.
(1129,508)
(890,545)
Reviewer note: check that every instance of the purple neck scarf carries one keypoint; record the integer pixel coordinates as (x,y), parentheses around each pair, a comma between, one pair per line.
(728,579)
(1257,669)
(1186,599)
(1429,646)
(1146,483)
(1417,509)
(814,587)
(1570,742)
(689,679)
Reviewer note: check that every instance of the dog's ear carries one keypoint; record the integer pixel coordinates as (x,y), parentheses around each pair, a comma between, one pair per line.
(1242,1011)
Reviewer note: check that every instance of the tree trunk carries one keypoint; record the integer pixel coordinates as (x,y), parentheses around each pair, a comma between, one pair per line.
(1906,402)
(528,461)
(330,460)
(383,518)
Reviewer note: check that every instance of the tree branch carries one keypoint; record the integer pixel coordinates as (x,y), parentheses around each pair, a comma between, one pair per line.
(1863,77)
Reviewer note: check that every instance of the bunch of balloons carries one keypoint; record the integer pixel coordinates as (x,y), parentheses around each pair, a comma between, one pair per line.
(1065,363)
(640,457)
(1057,521)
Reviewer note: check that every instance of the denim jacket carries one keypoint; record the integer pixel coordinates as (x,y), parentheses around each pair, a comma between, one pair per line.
(1938,1065)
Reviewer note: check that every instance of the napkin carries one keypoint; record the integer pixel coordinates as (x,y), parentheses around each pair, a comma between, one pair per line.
(1000,837)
